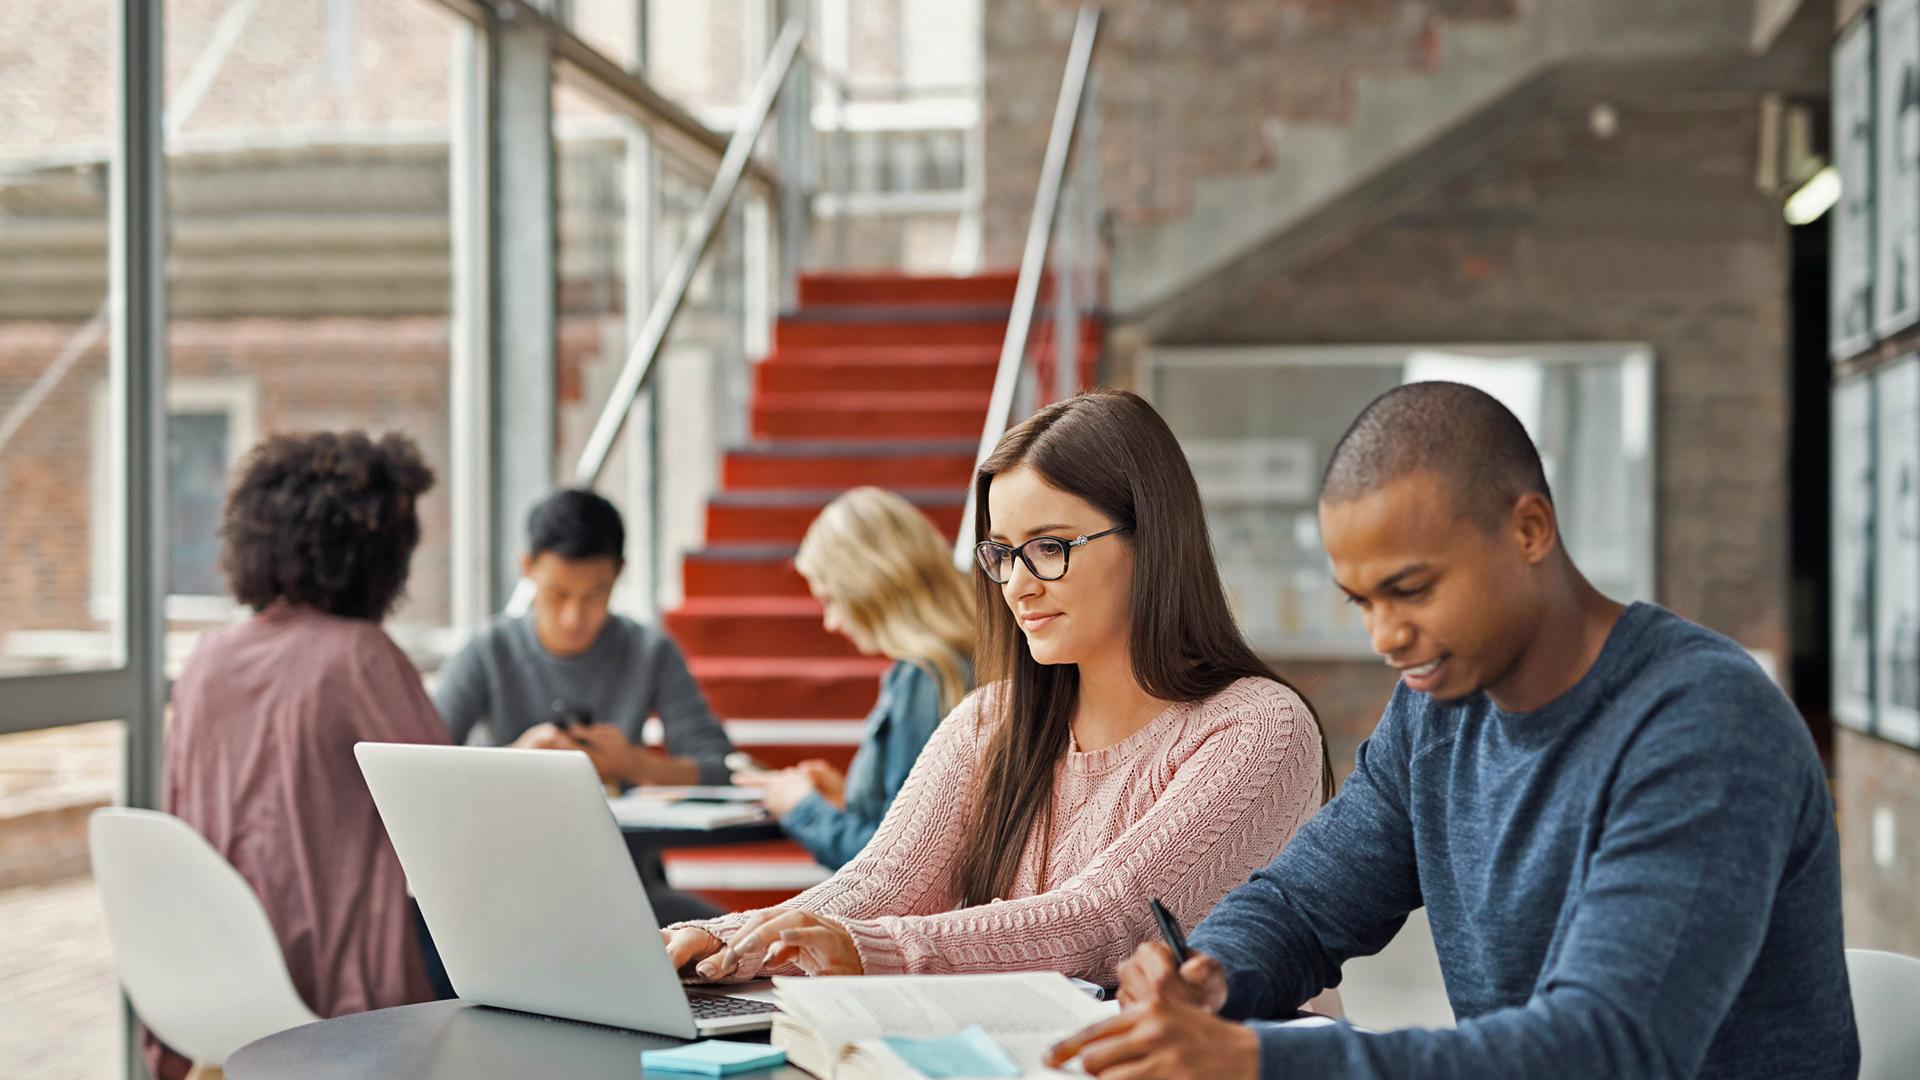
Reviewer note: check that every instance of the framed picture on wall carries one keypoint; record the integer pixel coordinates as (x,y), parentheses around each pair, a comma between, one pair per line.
(1853,525)
(1853,235)
(1897,167)
(1259,423)
(1896,563)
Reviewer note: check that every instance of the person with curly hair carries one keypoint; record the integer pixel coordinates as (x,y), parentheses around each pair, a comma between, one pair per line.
(318,533)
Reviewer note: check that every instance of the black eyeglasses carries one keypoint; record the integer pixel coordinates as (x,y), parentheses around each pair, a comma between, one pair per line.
(1045,556)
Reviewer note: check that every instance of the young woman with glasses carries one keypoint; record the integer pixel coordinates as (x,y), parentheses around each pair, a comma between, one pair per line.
(1126,744)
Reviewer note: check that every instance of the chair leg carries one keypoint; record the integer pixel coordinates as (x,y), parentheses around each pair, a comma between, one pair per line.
(205,1072)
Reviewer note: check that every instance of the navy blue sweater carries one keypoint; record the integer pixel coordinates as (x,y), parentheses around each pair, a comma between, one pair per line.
(1639,879)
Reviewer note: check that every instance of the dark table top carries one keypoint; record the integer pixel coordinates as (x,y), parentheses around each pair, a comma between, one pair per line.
(640,836)
(443,1040)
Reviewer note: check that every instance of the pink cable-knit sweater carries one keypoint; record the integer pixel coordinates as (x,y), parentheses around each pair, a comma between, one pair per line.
(1184,809)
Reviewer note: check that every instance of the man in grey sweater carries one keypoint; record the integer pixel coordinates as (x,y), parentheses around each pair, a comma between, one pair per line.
(572,675)
(1618,826)
(532,679)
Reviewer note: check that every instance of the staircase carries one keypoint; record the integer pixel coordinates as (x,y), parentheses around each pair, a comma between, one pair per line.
(874,379)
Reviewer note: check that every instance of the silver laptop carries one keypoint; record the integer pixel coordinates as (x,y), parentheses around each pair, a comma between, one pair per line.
(530,892)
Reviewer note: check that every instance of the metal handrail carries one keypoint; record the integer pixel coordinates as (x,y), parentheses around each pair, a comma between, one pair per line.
(638,371)
(1067,111)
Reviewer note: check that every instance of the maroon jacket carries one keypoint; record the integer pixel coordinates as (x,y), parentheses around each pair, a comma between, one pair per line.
(260,762)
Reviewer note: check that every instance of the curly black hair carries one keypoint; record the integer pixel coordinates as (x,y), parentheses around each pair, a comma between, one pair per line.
(326,520)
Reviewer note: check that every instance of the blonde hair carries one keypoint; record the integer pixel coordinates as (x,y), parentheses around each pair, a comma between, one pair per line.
(893,575)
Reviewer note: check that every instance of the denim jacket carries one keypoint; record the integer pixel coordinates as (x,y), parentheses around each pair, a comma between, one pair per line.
(898,727)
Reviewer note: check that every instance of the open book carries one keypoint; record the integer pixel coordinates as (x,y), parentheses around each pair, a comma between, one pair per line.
(833,1027)
(641,808)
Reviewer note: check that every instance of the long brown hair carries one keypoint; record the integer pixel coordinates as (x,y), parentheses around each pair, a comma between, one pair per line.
(1110,448)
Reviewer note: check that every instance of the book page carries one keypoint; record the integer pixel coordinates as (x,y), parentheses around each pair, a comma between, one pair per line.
(1031,1007)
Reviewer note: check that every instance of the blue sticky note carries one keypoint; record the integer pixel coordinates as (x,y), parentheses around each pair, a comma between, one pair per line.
(971,1053)
(713,1057)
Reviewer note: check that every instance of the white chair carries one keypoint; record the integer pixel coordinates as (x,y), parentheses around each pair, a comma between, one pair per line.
(193,946)
(1885,987)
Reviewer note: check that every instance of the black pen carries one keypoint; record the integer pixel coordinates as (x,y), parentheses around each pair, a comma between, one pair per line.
(1169,931)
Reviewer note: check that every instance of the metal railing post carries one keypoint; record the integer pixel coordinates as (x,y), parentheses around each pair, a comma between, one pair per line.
(1033,257)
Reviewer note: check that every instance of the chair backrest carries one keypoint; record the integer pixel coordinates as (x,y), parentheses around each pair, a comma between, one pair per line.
(194,949)
(1885,987)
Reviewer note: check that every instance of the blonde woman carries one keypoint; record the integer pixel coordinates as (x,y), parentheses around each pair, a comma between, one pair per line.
(885,579)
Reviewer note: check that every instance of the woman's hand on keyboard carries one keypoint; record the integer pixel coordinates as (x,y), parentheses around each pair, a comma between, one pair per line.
(687,946)
(773,937)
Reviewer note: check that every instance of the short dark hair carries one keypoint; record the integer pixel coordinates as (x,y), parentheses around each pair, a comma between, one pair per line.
(327,520)
(575,523)
(1451,429)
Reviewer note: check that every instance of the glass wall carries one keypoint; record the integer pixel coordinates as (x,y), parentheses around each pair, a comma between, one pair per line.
(60,483)
(310,274)
(328,263)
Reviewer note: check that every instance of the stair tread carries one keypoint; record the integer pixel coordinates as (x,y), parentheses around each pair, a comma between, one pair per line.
(919,351)
(1009,276)
(744,552)
(747,605)
(769,850)
(875,358)
(886,312)
(867,399)
(853,448)
(792,497)
(787,667)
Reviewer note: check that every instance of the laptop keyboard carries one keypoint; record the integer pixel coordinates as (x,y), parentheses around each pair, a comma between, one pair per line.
(725,1006)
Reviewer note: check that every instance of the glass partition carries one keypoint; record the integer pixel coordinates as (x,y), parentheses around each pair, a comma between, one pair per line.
(310,278)
(1258,425)
(61,486)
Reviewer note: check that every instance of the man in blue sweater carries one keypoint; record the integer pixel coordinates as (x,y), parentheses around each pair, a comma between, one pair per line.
(1618,826)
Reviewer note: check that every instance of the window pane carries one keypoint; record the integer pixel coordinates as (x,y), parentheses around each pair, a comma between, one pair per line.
(612,27)
(699,53)
(57,987)
(198,449)
(704,373)
(597,152)
(60,485)
(311,270)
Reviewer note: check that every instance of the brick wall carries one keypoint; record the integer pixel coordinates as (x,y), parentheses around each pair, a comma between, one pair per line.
(1878,779)
(1654,234)
(304,374)
(1184,89)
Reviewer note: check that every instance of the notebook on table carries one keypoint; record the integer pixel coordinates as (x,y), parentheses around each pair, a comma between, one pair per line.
(838,1028)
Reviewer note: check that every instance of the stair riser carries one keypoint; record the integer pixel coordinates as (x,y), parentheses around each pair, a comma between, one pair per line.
(701,634)
(728,577)
(782,422)
(906,291)
(779,757)
(796,697)
(854,378)
(744,899)
(788,333)
(904,355)
(751,472)
(788,524)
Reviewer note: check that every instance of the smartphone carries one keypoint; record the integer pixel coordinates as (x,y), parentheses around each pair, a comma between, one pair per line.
(565,716)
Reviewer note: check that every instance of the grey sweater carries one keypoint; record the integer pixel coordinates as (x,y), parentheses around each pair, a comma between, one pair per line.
(1640,879)
(504,678)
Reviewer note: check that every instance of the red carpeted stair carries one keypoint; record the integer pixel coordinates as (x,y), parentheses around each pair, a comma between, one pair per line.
(875,379)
